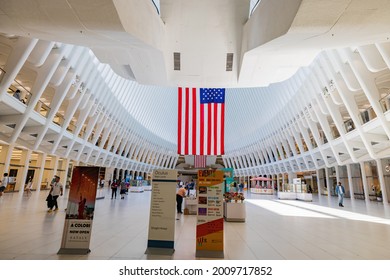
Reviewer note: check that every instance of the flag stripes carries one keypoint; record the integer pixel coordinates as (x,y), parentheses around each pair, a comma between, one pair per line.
(201,128)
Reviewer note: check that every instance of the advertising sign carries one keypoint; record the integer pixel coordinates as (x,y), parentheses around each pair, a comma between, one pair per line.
(209,229)
(80,210)
(162,211)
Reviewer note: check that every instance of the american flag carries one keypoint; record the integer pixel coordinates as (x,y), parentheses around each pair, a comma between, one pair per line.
(200,161)
(201,121)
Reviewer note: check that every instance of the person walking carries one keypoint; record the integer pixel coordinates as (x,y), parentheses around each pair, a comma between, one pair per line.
(114,188)
(241,188)
(340,191)
(123,189)
(3,183)
(28,186)
(56,190)
(181,193)
(101,183)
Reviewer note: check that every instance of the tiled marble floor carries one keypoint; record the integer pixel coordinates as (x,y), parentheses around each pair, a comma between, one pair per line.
(274,230)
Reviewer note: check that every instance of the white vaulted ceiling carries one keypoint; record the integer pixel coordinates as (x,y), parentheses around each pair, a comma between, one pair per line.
(280,53)
(138,43)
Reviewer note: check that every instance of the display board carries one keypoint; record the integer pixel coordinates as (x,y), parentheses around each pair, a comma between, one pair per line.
(209,229)
(80,210)
(228,177)
(162,212)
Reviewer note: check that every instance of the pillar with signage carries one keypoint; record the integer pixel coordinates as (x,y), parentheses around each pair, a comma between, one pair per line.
(209,229)
(77,232)
(162,212)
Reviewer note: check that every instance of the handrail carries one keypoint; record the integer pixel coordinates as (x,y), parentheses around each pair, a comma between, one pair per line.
(323,137)
(71,127)
(313,142)
(367,115)
(2,72)
(384,102)
(335,132)
(28,95)
(156,5)
(59,119)
(90,138)
(42,108)
(82,132)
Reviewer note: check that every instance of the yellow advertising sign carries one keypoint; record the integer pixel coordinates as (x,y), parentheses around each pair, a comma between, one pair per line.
(209,230)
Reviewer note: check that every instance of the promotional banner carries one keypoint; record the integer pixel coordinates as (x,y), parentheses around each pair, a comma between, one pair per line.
(162,212)
(79,213)
(209,229)
(229,178)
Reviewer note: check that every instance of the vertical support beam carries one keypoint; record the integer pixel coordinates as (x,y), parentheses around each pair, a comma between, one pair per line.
(382,181)
(45,73)
(350,182)
(15,62)
(5,157)
(41,163)
(364,179)
(327,180)
(54,164)
(319,187)
(337,173)
(24,160)
(63,174)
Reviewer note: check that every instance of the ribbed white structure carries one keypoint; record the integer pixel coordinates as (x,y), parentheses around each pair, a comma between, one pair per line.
(80,109)
(332,112)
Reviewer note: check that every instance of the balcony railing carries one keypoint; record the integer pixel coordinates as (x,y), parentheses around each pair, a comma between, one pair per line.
(59,119)
(71,127)
(323,137)
(25,94)
(367,115)
(82,132)
(42,109)
(90,138)
(335,132)
(2,72)
(385,103)
(313,142)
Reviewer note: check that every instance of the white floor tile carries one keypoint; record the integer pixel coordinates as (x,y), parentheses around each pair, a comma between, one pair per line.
(274,230)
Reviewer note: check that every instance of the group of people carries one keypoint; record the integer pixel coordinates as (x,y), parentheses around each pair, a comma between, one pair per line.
(240,188)
(6,180)
(115,185)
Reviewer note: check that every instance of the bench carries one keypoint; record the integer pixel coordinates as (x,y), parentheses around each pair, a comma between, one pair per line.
(359,195)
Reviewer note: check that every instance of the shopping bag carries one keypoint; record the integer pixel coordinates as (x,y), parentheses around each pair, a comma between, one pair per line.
(49,200)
